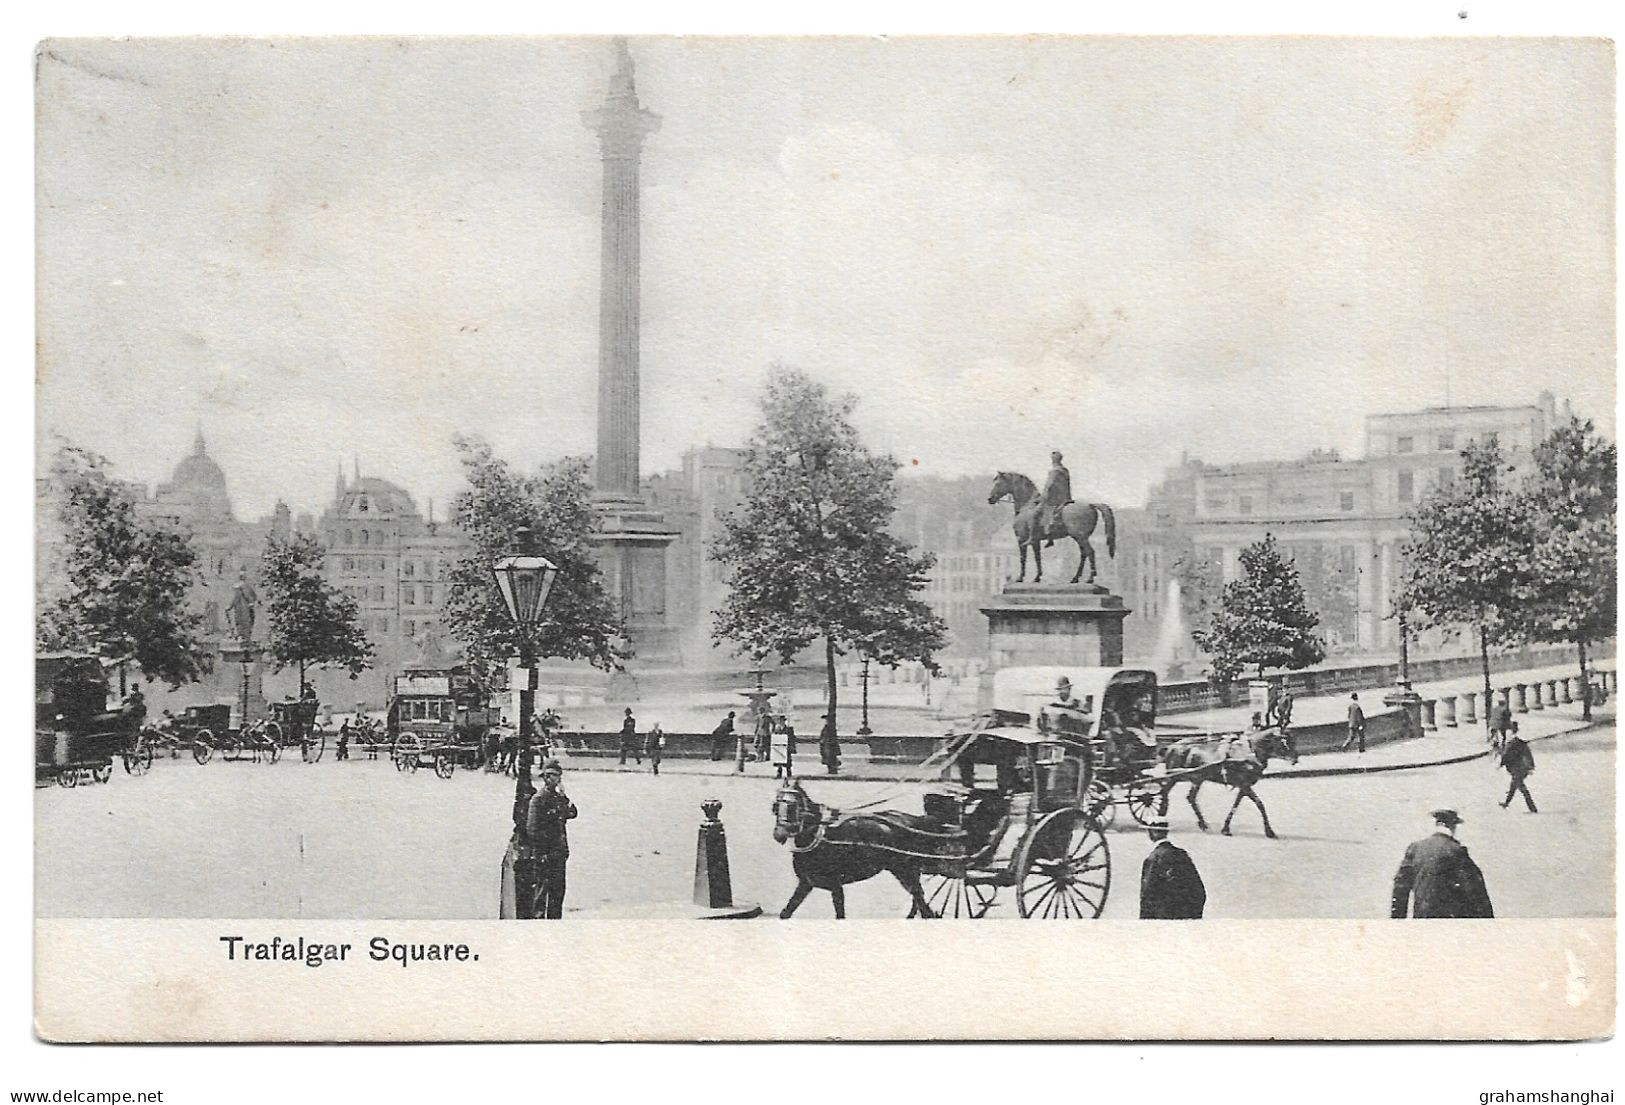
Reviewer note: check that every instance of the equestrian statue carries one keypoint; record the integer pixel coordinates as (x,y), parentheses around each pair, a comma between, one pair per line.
(1042,518)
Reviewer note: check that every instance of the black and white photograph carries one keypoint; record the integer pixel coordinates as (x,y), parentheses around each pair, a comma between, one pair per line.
(1099,490)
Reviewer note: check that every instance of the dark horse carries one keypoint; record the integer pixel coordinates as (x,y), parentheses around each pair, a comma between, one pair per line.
(1078,519)
(830,854)
(1237,762)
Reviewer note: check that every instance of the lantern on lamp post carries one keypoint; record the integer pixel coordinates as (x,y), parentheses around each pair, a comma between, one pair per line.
(524,581)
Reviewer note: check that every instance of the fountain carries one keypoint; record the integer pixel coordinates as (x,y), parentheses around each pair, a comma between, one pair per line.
(1170,654)
(759,698)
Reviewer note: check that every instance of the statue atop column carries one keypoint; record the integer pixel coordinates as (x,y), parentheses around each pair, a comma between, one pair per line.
(240,614)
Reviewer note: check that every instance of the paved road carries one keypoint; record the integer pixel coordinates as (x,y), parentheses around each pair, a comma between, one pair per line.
(359,840)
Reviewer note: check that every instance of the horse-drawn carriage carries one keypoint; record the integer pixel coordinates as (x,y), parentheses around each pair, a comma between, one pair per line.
(208,730)
(437,718)
(76,737)
(296,728)
(1023,800)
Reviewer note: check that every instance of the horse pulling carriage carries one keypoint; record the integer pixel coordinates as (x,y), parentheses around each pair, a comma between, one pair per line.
(76,737)
(296,728)
(1024,799)
(207,730)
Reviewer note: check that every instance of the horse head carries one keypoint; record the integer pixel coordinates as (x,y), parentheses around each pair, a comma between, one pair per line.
(1001,488)
(1275,742)
(795,815)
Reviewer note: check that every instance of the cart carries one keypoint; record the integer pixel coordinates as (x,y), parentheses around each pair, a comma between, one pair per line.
(76,738)
(208,730)
(296,721)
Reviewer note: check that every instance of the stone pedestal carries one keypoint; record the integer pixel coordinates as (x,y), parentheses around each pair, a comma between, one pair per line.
(630,546)
(1041,624)
(1410,704)
(228,678)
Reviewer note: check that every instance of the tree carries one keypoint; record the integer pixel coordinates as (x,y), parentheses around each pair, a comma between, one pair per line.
(1468,558)
(1572,499)
(808,554)
(1262,619)
(126,583)
(312,622)
(555,502)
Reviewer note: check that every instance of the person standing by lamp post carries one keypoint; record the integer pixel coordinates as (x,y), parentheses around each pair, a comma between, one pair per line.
(524,581)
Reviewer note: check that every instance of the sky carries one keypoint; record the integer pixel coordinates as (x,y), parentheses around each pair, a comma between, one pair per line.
(326,252)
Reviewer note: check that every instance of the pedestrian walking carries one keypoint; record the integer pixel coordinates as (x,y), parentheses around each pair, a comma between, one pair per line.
(629,738)
(1171,888)
(764,736)
(652,745)
(343,751)
(549,838)
(1356,724)
(1519,762)
(1502,724)
(1437,878)
(829,746)
(782,750)
(722,738)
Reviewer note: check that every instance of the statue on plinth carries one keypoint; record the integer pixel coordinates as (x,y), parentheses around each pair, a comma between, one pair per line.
(240,614)
(1041,518)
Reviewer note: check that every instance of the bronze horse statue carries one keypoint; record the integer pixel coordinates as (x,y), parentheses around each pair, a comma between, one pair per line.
(1078,519)
(831,853)
(1238,762)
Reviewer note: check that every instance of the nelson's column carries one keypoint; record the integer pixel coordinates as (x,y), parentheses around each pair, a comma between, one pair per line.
(631,539)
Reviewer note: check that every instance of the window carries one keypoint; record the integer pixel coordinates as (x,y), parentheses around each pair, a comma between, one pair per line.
(1407,487)
(349,564)
(1244,504)
(408,569)
(1447,476)
(366,537)
(428,594)
(1345,500)
(361,504)
(1447,442)
(377,594)
(1404,444)
(349,537)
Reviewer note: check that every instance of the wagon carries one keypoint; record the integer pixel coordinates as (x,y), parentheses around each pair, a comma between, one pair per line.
(76,738)
(435,720)
(208,730)
(296,721)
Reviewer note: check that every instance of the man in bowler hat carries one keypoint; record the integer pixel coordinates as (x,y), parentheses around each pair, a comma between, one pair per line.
(1519,762)
(1170,887)
(1439,877)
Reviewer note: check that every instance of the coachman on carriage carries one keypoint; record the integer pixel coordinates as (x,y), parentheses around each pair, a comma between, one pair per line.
(76,737)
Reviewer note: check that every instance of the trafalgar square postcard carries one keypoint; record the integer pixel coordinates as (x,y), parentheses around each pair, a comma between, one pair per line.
(583,538)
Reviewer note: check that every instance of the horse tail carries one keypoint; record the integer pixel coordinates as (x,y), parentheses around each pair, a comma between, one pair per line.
(1111,529)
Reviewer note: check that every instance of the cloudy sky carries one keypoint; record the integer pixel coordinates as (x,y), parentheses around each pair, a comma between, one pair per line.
(1122,248)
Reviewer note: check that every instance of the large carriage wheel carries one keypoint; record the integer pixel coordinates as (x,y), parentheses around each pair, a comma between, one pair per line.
(954,897)
(1100,803)
(203,746)
(444,764)
(138,760)
(312,747)
(1142,802)
(272,731)
(405,751)
(102,773)
(1063,868)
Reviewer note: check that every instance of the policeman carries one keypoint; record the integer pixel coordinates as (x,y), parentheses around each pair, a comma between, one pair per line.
(549,841)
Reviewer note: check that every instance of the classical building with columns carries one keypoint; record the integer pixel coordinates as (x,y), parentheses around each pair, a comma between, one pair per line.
(1343,521)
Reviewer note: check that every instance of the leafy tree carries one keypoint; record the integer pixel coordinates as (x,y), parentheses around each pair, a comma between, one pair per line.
(125,582)
(809,554)
(1468,558)
(1573,503)
(312,622)
(580,622)
(1262,619)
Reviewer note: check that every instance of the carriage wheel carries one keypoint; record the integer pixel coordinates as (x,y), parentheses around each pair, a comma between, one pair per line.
(203,746)
(138,760)
(102,773)
(273,751)
(312,747)
(444,765)
(955,898)
(1063,868)
(1100,804)
(409,764)
(1142,804)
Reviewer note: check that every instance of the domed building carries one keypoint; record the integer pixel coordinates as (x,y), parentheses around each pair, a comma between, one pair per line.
(197,491)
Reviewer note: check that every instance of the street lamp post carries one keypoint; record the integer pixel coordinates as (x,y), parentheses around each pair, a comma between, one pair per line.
(524,581)
(864,730)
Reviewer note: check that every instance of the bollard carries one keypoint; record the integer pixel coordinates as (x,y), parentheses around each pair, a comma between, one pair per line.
(1469,711)
(1429,722)
(1535,701)
(1610,680)
(1447,710)
(713,888)
(1565,690)
(1520,701)
(1551,693)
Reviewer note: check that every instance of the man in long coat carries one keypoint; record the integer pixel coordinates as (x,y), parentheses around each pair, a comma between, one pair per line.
(1519,762)
(1501,723)
(829,746)
(1057,493)
(1171,889)
(549,837)
(1356,724)
(1439,875)
(722,737)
